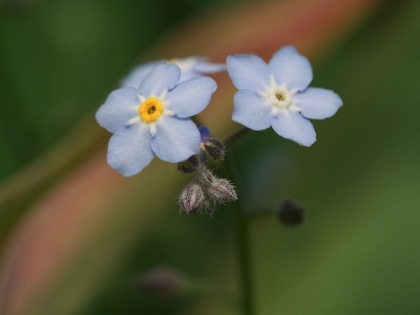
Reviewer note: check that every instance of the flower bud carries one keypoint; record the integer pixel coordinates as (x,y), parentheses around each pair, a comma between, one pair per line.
(290,213)
(204,133)
(189,166)
(205,177)
(214,148)
(222,190)
(191,198)
(208,207)
(161,282)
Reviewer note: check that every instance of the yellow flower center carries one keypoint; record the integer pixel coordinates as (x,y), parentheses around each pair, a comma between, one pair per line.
(151,109)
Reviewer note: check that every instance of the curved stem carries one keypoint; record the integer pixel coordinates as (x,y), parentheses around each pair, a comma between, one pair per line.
(242,232)
(235,135)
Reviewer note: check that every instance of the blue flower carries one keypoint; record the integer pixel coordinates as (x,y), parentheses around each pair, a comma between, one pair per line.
(154,119)
(190,67)
(277,95)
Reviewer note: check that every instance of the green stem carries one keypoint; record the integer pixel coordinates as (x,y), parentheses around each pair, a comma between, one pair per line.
(234,136)
(242,232)
(244,259)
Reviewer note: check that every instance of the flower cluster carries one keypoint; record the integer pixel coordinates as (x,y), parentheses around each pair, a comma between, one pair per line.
(150,115)
(206,189)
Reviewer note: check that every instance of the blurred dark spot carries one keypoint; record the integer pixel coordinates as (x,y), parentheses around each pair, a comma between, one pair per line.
(290,213)
(161,283)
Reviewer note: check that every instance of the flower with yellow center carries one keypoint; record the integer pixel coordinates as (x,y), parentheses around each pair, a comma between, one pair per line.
(153,119)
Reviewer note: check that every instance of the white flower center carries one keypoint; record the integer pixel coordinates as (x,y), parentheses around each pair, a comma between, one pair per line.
(279,97)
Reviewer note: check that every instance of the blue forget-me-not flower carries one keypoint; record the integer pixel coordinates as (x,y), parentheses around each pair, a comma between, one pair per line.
(153,119)
(190,67)
(277,95)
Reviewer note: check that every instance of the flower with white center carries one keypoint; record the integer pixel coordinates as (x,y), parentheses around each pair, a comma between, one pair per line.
(277,95)
(190,67)
(153,119)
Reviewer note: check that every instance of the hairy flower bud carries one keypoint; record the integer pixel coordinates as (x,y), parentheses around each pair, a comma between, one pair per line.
(214,148)
(208,207)
(161,282)
(290,213)
(191,198)
(205,177)
(189,166)
(222,190)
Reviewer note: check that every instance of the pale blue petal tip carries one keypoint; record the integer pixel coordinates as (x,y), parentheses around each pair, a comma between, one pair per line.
(129,150)
(317,103)
(117,109)
(162,77)
(191,97)
(137,75)
(291,69)
(251,110)
(176,139)
(248,72)
(209,67)
(294,126)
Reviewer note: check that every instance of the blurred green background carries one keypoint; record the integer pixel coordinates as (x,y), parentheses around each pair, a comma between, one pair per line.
(358,251)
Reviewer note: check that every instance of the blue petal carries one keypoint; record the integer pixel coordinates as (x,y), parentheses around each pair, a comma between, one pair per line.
(161,77)
(294,126)
(248,72)
(186,75)
(192,67)
(291,69)
(129,149)
(316,103)
(251,110)
(191,97)
(136,76)
(204,66)
(204,133)
(176,139)
(118,109)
